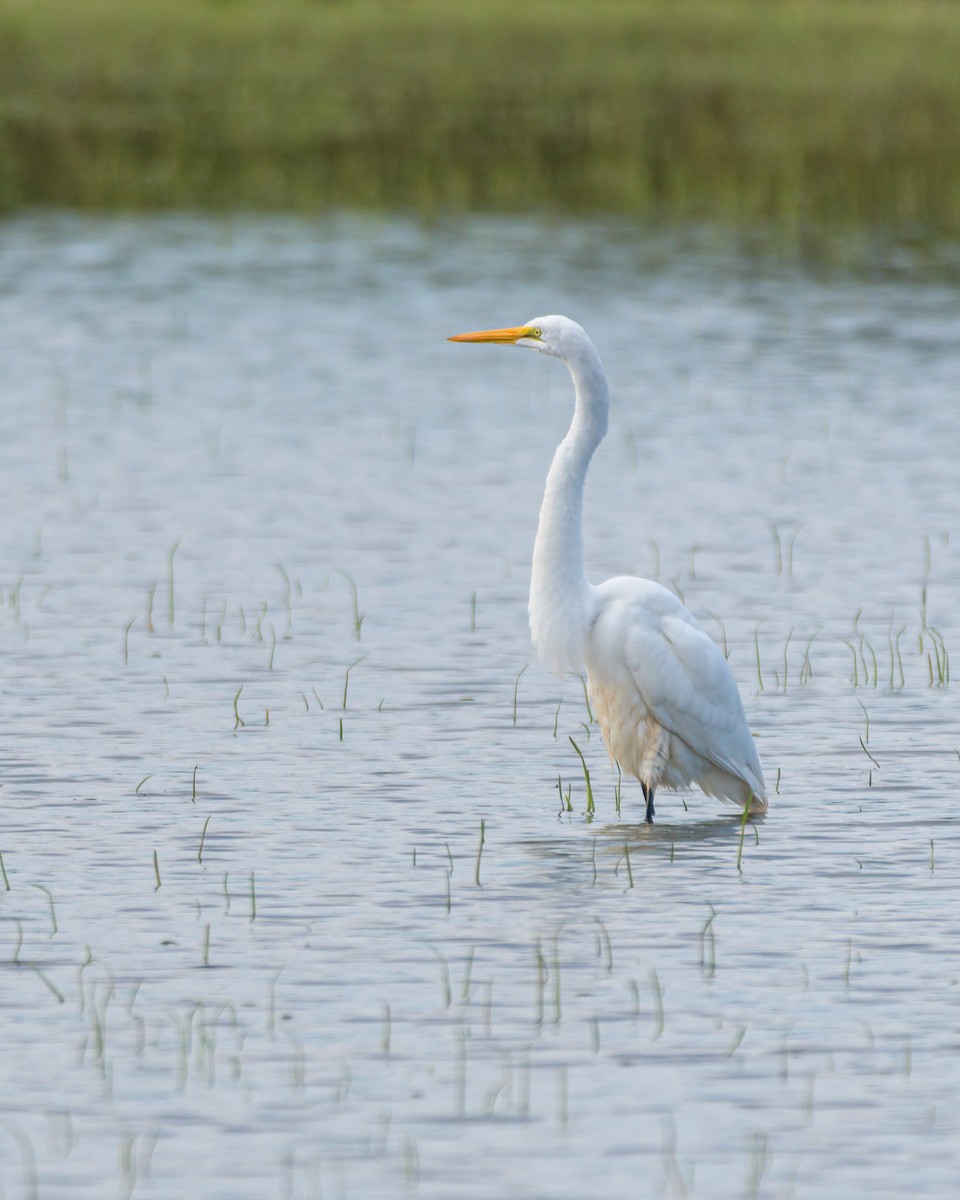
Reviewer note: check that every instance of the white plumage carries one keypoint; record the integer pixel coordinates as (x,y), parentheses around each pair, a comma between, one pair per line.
(666,701)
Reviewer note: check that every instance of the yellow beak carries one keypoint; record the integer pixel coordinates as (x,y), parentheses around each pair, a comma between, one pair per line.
(503,337)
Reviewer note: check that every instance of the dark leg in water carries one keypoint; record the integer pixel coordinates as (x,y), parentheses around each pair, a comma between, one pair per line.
(648,796)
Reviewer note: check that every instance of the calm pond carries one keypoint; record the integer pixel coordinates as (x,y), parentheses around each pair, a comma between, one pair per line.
(300,895)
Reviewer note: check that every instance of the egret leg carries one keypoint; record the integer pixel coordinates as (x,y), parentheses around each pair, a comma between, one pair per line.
(648,796)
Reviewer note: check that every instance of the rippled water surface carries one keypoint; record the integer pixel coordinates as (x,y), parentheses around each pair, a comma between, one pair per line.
(289,906)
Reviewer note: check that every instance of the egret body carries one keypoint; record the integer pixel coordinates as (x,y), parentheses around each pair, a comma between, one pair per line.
(666,701)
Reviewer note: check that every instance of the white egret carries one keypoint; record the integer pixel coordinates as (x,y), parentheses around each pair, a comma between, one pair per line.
(666,701)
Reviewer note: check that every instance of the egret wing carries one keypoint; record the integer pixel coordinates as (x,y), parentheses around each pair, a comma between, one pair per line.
(686,684)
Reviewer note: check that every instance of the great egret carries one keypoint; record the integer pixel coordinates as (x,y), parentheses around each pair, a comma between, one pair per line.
(666,701)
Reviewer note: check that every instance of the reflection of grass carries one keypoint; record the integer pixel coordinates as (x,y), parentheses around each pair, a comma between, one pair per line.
(784,111)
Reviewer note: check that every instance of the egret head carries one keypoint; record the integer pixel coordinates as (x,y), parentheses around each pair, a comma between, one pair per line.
(554,335)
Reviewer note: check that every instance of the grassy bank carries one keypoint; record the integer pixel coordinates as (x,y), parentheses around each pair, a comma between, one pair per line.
(795,113)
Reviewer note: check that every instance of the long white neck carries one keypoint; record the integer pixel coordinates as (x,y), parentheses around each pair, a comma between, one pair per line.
(560,595)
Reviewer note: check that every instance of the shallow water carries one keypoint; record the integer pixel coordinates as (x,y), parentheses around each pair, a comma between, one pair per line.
(252,944)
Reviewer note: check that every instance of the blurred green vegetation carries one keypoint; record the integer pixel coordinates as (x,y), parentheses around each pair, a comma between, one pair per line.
(788,112)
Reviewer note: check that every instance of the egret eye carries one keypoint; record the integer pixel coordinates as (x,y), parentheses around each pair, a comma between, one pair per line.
(538,333)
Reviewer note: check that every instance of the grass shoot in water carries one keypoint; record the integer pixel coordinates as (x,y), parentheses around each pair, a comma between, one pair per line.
(723,632)
(586,697)
(756,643)
(566,804)
(658,1011)
(708,946)
(896,657)
(126,637)
(786,649)
(806,667)
(516,689)
(540,982)
(467,974)
(863,747)
(221,622)
(203,836)
(604,944)
(743,830)
(555,966)
(49,984)
(586,777)
(53,911)
(287,603)
(476,873)
(170,597)
(346,683)
(445,988)
(358,619)
(18,946)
